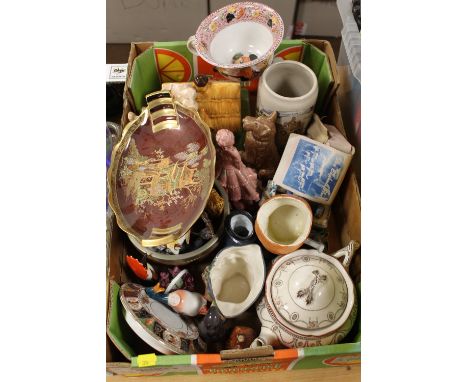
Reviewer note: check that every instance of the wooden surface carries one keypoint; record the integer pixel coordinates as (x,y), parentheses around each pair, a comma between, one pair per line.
(338,374)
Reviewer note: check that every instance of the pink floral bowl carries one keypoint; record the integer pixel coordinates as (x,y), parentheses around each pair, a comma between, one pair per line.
(239,39)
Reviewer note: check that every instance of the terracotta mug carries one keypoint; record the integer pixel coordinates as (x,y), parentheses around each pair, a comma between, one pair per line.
(283,223)
(291,89)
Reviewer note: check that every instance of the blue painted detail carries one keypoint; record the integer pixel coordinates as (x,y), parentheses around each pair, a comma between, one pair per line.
(314,170)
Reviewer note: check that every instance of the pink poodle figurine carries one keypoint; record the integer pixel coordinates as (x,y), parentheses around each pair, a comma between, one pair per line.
(239,180)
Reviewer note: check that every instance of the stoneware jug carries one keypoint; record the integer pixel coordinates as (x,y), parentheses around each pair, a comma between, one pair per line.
(291,89)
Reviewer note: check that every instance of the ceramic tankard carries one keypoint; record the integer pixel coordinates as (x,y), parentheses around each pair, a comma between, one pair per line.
(291,89)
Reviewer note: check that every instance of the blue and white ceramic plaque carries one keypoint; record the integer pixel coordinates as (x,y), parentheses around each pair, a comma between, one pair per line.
(311,169)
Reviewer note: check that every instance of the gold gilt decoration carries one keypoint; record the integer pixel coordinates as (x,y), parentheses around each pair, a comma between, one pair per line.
(160,98)
(159,190)
(159,181)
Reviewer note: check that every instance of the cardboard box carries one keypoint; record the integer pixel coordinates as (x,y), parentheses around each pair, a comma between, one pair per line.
(284,8)
(153,20)
(173,62)
(146,59)
(344,225)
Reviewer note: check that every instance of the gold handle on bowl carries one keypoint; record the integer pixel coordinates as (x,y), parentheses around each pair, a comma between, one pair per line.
(170,234)
(162,110)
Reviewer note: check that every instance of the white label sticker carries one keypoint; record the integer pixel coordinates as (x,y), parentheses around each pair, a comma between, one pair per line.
(116,72)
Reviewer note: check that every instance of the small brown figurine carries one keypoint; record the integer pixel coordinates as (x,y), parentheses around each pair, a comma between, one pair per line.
(260,150)
(239,180)
(241,337)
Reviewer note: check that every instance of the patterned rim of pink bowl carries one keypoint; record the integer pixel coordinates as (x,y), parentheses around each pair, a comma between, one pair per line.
(277,29)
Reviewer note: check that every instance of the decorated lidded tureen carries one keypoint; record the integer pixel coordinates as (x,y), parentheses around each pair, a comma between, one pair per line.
(162,172)
(309,299)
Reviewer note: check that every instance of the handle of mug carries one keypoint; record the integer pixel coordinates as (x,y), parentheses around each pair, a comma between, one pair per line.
(191,45)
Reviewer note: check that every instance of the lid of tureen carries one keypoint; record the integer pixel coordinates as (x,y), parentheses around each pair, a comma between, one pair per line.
(310,291)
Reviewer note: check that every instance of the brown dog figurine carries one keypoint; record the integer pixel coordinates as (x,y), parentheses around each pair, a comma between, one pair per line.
(260,150)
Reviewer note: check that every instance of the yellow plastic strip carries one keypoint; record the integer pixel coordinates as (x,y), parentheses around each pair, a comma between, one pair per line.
(145,360)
